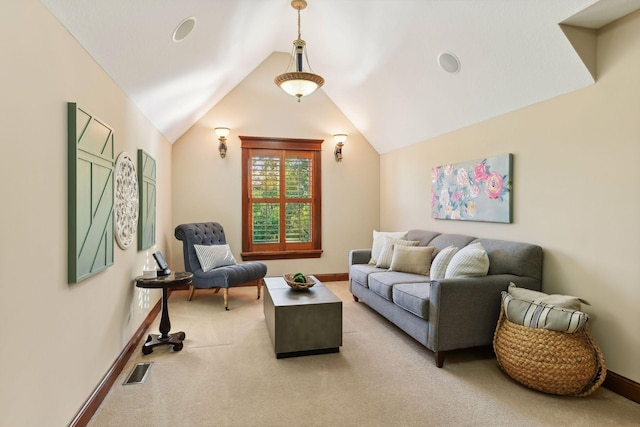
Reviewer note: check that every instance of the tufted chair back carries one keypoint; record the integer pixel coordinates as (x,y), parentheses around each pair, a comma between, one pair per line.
(204,233)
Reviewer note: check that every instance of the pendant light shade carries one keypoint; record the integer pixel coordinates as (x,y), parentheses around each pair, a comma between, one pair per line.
(297,82)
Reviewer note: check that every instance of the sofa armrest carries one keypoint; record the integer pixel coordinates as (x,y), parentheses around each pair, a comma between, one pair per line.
(359,256)
(463,312)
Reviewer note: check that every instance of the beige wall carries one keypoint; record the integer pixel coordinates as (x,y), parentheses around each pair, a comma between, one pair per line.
(208,188)
(59,340)
(575,170)
(575,190)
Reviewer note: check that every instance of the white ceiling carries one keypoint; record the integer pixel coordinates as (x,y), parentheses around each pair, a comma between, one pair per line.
(378,57)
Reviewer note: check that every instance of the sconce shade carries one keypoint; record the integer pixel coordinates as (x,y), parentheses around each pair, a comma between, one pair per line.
(340,138)
(222,132)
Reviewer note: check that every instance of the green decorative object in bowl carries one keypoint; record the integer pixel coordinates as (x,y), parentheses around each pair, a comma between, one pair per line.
(299,281)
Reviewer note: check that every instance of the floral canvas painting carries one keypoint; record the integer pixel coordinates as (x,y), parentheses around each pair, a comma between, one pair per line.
(477,190)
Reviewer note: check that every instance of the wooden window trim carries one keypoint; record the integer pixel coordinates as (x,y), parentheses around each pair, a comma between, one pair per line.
(314,250)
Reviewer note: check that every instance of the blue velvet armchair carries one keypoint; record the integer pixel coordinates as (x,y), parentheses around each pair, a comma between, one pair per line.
(212,233)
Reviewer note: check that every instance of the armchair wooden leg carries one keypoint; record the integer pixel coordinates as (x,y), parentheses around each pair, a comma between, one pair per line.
(191,290)
(259,287)
(226,298)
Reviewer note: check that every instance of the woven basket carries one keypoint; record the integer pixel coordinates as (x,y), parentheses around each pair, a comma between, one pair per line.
(296,285)
(549,361)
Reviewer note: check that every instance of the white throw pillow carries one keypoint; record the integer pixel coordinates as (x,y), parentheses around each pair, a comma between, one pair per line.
(384,260)
(470,261)
(441,261)
(212,256)
(378,241)
(412,259)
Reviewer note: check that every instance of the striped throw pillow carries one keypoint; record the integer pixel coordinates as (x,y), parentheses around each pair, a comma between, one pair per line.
(441,261)
(386,255)
(542,316)
(470,261)
(378,242)
(213,256)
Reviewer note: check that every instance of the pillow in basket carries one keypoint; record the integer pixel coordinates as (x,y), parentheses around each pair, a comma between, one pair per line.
(563,301)
(542,316)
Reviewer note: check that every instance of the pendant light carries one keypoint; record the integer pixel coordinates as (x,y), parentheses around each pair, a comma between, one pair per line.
(299,83)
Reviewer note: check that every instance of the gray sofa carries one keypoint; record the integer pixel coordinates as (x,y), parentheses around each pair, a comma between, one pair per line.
(446,314)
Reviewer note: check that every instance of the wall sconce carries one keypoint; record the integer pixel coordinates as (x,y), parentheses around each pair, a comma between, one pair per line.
(222,137)
(340,138)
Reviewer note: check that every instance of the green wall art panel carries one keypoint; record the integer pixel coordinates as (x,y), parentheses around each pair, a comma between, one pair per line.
(91,193)
(147,210)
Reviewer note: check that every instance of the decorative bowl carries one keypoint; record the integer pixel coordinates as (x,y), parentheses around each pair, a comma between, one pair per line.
(297,285)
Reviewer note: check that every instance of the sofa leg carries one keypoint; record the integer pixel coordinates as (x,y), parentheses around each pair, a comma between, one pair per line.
(355,298)
(259,287)
(225,293)
(440,358)
(191,290)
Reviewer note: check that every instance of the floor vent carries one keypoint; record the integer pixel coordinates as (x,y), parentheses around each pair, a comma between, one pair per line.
(138,374)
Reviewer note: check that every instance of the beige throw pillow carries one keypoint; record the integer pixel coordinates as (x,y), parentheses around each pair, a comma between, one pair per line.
(384,260)
(412,259)
(378,242)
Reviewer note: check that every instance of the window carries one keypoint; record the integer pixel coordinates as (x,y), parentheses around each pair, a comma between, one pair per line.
(281,198)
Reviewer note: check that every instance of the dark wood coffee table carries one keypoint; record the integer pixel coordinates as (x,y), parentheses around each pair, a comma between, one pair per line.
(302,322)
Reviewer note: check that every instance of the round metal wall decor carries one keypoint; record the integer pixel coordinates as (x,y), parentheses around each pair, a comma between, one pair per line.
(126,200)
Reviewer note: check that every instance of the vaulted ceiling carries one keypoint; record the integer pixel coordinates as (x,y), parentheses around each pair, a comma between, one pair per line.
(379,57)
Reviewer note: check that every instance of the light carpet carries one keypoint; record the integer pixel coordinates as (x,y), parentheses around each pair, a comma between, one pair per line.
(227,375)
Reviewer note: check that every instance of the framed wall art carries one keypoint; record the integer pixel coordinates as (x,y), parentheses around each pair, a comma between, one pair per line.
(475,190)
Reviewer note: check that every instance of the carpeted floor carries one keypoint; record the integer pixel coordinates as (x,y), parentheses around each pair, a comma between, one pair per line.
(227,375)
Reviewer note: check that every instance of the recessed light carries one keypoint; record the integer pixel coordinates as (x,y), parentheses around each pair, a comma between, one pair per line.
(184,29)
(449,62)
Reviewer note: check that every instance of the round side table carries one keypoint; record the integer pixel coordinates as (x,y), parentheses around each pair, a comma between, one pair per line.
(165,338)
